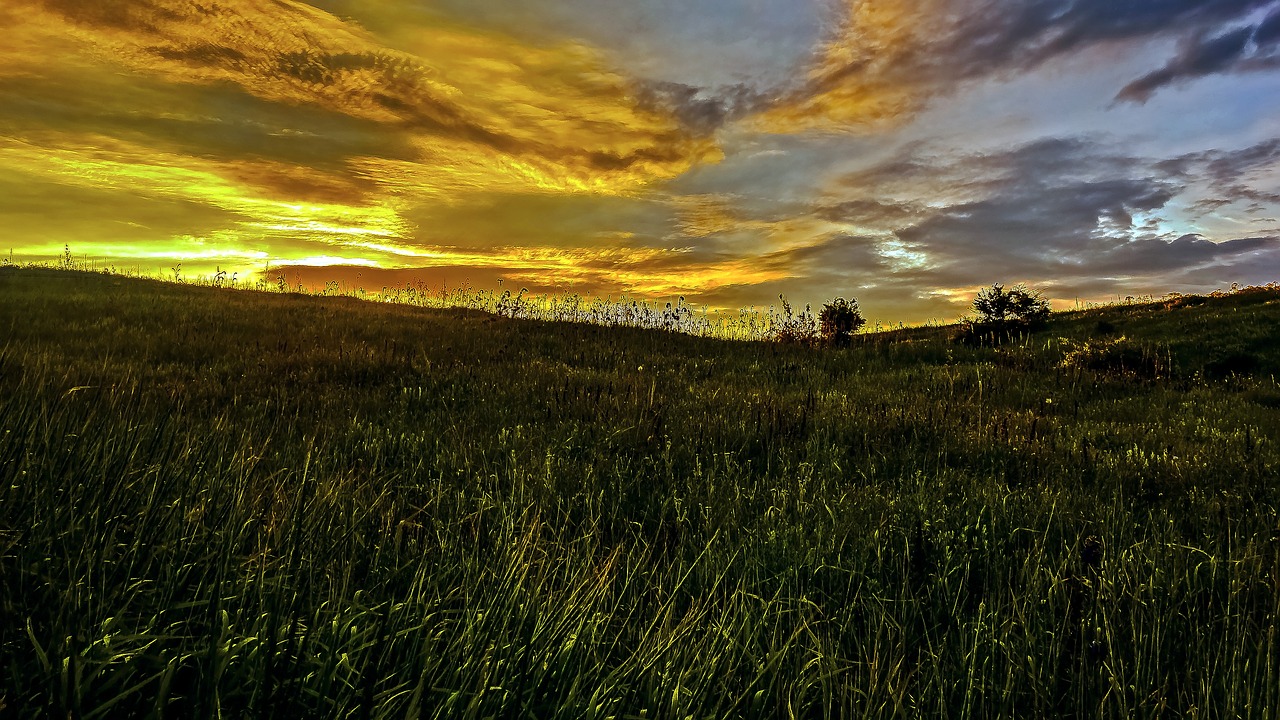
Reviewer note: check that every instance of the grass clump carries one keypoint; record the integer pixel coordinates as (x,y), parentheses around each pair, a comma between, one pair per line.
(226,504)
(1119,357)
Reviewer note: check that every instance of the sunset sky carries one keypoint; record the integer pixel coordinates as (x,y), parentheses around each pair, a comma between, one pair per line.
(901,152)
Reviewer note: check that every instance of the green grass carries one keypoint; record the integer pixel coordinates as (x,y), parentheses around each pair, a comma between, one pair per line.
(220,503)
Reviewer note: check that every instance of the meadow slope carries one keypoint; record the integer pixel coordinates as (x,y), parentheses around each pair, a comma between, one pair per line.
(220,503)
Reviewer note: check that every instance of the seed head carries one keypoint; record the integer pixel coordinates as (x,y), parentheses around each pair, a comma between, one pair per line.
(1091,551)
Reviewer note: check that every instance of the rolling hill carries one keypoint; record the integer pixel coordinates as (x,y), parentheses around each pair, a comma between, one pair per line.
(227,503)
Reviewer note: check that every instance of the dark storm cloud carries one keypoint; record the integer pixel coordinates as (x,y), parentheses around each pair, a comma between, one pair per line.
(1151,256)
(702,110)
(1226,164)
(1060,213)
(1232,176)
(1240,49)
(1188,264)
(1027,33)
(918,166)
(1047,204)
(876,213)
(1223,165)
(1268,31)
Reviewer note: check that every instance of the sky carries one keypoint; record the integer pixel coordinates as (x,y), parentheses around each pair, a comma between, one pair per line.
(903,153)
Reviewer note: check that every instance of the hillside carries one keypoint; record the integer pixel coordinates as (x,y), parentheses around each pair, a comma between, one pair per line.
(221,503)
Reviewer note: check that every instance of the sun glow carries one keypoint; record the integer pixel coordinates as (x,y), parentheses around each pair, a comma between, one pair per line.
(350,143)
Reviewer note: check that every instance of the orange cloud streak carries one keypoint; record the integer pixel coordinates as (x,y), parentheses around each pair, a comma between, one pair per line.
(511,113)
(861,78)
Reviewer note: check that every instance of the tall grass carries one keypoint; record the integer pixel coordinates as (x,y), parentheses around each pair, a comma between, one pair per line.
(223,504)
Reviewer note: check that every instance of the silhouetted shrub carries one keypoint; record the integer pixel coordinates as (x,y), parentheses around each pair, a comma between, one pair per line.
(787,326)
(1174,301)
(839,320)
(998,305)
(1002,315)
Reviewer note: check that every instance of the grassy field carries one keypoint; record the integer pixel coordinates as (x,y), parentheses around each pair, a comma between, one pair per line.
(220,503)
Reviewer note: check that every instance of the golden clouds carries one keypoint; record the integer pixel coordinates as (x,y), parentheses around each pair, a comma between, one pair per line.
(498,110)
(866,73)
(705,215)
(722,215)
(141,191)
(639,271)
(104,164)
(244,131)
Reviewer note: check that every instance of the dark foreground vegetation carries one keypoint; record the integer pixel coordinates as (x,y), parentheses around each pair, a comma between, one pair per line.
(217,503)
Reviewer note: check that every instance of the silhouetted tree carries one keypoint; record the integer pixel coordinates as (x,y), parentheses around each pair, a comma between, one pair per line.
(1002,313)
(839,320)
(1017,304)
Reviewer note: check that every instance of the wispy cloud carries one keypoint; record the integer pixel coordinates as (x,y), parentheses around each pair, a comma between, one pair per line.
(1240,49)
(566,119)
(889,58)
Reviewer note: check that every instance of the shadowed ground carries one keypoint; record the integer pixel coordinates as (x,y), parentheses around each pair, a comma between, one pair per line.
(218,502)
